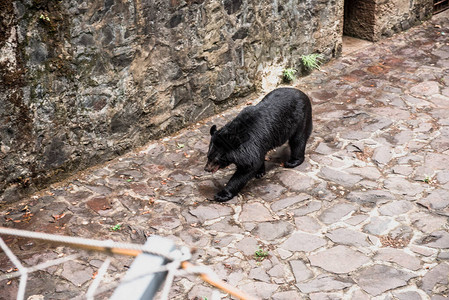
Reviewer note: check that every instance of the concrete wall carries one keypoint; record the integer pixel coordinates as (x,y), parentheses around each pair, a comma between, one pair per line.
(83,81)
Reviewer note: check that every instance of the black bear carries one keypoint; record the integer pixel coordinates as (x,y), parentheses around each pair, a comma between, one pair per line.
(284,114)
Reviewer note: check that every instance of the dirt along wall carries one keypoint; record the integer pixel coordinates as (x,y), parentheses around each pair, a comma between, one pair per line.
(84,81)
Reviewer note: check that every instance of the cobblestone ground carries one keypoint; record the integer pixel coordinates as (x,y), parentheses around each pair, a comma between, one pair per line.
(365,217)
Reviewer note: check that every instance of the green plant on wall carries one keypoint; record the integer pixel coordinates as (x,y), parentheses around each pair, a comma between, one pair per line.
(44,18)
(312,61)
(289,74)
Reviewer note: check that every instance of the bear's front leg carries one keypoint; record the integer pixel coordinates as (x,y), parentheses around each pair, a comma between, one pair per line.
(236,183)
(261,172)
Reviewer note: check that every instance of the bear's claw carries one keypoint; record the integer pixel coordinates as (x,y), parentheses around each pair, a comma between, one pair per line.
(293,163)
(223,196)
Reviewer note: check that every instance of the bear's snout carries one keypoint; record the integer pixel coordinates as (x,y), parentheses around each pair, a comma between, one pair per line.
(211,167)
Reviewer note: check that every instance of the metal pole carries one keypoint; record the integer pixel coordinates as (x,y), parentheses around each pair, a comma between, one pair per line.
(139,282)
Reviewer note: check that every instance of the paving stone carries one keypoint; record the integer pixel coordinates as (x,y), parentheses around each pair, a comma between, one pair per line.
(437,199)
(336,213)
(260,289)
(438,275)
(296,181)
(100,189)
(437,239)
(395,114)
(395,208)
(323,148)
(234,278)
(400,257)
(277,271)
(371,173)
(403,137)
(300,270)
(289,201)
(142,189)
(36,259)
(402,170)
(307,208)
(76,273)
(371,197)
(165,221)
(443,255)
(180,175)
(272,230)
(443,177)
(288,295)
(437,161)
(411,295)
(36,297)
(379,225)
(359,295)
(411,159)
(325,296)
(299,241)
(248,246)
(194,238)
(270,191)
(224,241)
(355,135)
(210,212)
(339,177)
(356,219)
(378,124)
(382,155)
(339,259)
(424,251)
(377,279)
(348,237)
(284,254)
(324,283)
(426,88)
(426,222)
(200,291)
(438,297)
(226,225)
(402,186)
(307,224)
(259,274)
(255,212)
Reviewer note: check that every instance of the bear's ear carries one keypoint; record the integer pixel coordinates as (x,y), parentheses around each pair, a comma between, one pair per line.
(213,129)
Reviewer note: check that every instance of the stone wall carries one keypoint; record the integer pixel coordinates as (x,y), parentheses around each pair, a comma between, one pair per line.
(400,15)
(83,81)
(376,19)
(359,19)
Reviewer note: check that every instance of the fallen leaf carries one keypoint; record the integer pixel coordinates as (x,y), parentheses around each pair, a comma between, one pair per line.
(57,217)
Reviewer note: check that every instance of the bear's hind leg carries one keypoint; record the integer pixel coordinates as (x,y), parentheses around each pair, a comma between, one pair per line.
(298,145)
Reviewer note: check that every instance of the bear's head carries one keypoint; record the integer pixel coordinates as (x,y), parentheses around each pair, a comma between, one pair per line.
(219,147)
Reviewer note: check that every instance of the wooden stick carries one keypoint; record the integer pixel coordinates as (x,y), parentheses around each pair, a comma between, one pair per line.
(220,284)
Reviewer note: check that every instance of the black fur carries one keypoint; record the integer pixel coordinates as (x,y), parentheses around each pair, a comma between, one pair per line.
(283,115)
